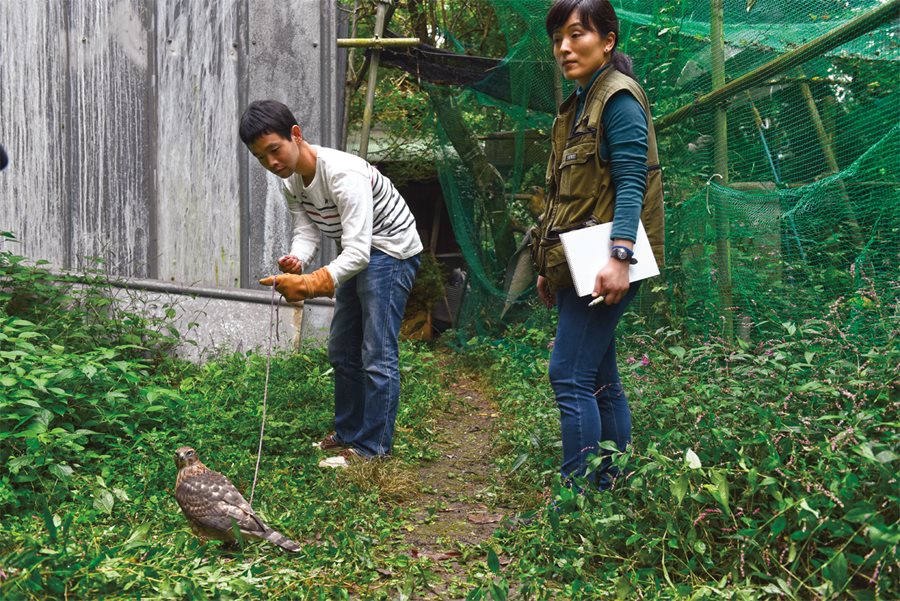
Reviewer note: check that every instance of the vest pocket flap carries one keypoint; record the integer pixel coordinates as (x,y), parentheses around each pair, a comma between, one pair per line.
(576,173)
(552,252)
(552,264)
(556,256)
(577,155)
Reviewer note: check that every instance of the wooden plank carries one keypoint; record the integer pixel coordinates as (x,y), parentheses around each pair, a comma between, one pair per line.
(109,182)
(199,211)
(34,129)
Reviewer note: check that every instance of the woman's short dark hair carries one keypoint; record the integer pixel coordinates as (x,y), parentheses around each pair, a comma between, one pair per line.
(595,15)
(266,117)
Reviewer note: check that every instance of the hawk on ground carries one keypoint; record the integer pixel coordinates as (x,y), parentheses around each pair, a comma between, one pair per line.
(212,504)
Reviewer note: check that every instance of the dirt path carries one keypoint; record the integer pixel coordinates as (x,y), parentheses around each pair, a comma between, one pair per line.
(456,508)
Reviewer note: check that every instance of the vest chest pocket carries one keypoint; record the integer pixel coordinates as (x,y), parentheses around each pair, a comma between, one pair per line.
(576,171)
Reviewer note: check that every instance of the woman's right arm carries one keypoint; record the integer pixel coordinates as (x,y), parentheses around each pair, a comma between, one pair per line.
(543,290)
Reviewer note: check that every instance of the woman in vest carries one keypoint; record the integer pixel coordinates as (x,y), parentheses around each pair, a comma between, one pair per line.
(603,167)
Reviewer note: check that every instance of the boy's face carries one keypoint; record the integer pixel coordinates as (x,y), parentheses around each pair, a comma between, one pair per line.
(276,153)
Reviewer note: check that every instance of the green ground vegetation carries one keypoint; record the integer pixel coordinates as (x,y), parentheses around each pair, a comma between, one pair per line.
(759,470)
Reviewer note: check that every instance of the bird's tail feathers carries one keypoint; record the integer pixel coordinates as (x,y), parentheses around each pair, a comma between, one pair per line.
(277,538)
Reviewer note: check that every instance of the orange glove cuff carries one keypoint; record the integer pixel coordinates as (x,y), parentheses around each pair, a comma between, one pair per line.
(301,287)
(320,283)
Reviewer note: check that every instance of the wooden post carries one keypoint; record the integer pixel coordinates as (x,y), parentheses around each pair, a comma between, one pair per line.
(757,120)
(438,208)
(380,13)
(830,157)
(557,85)
(720,135)
(351,75)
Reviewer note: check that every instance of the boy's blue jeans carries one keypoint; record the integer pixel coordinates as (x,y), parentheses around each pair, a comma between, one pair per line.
(363,351)
(584,375)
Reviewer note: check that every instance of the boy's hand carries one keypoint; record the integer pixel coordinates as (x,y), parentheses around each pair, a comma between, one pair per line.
(301,287)
(290,264)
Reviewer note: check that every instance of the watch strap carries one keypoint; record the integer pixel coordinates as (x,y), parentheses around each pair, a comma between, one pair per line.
(618,249)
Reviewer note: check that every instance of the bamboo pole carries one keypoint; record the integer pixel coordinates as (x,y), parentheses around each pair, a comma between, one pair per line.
(824,138)
(776,175)
(348,80)
(377,42)
(380,13)
(812,49)
(557,85)
(830,157)
(720,135)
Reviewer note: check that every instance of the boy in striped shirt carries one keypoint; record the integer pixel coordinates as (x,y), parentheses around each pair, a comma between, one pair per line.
(345,198)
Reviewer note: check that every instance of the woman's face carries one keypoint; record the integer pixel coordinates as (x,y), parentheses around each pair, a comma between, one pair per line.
(580,51)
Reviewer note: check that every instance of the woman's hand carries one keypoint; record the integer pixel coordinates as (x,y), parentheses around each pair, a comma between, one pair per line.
(290,264)
(612,281)
(543,290)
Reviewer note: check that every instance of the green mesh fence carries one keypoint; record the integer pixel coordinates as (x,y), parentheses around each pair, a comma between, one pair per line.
(803,223)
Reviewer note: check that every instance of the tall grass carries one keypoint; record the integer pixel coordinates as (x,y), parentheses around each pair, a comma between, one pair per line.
(757,471)
(92,407)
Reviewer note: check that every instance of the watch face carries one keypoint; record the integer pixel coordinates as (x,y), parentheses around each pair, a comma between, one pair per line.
(619,254)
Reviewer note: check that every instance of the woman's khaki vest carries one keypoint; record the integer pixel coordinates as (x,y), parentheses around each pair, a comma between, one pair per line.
(579,190)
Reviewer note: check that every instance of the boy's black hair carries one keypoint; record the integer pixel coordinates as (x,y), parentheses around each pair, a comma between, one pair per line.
(266,117)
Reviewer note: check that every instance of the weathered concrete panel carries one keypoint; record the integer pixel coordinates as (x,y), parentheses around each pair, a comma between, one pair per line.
(212,326)
(34,127)
(294,40)
(199,217)
(109,176)
(316,323)
(120,117)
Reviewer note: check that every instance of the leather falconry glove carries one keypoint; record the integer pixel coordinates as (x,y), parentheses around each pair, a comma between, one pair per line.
(301,287)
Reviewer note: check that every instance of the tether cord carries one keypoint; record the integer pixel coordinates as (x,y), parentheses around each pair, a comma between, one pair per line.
(273,314)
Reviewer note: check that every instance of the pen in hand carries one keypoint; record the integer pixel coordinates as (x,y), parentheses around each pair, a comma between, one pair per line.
(596,301)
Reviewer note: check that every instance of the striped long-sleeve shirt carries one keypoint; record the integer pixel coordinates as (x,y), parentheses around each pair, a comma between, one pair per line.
(352,203)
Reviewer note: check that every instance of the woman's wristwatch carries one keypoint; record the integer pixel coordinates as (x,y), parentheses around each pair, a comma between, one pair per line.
(623,253)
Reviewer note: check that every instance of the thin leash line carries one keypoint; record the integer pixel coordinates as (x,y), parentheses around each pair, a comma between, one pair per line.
(708,184)
(273,315)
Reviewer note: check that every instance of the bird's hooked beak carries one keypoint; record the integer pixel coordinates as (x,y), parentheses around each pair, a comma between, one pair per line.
(185,456)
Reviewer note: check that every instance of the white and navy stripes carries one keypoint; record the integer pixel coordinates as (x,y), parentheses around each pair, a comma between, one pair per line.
(326,218)
(351,202)
(390,213)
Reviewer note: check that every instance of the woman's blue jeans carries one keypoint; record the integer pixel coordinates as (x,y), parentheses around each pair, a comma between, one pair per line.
(583,373)
(363,351)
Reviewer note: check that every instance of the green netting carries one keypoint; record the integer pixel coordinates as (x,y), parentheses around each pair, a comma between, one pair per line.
(804,224)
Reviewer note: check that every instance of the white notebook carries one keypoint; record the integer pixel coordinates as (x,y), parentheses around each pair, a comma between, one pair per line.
(587,252)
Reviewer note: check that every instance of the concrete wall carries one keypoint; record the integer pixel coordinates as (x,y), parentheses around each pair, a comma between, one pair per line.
(213,321)
(120,118)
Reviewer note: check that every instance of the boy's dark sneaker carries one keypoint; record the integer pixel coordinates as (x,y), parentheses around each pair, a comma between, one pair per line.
(329,443)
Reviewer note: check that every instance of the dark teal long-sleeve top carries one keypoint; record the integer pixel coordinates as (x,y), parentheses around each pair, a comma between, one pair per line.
(624,145)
